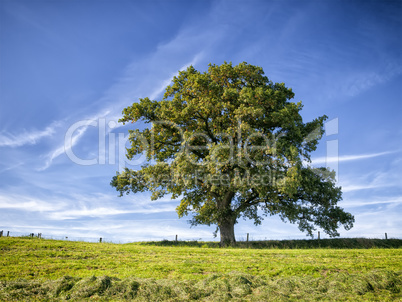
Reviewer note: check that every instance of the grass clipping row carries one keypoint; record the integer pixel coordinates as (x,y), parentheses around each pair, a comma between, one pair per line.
(377,285)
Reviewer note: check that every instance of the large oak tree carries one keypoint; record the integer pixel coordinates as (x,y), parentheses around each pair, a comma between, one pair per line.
(229,143)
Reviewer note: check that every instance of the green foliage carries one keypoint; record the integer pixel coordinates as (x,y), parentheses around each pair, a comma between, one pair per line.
(229,143)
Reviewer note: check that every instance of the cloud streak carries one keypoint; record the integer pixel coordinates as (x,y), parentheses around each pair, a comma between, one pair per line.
(345,158)
(107,211)
(71,141)
(27,137)
(131,84)
(20,202)
(375,180)
(77,206)
(373,201)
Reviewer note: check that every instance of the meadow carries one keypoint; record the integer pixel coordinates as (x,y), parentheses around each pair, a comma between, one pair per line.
(52,270)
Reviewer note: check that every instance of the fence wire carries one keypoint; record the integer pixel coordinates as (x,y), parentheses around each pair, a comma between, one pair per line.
(177,237)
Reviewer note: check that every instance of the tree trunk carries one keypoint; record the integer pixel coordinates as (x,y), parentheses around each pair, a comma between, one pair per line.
(226,228)
(227,220)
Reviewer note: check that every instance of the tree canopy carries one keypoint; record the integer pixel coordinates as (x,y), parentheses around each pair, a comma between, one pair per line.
(230,143)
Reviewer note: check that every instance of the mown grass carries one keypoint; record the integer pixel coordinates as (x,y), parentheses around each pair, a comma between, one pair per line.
(374,286)
(57,270)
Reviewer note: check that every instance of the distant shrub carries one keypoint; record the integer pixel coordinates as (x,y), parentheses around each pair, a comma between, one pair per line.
(334,243)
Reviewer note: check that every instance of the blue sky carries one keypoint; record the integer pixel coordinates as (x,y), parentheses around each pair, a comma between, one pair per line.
(68,68)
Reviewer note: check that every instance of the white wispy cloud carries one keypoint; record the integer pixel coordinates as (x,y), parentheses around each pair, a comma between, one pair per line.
(71,139)
(357,187)
(31,137)
(359,82)
(107,211)
(146,77)
(374,180)
(76,206)
(371,223)
(344,158)
(27,203)
(11,167)
(131,84)
(376,200)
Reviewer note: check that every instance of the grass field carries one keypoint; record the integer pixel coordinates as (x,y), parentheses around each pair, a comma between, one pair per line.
(40,269)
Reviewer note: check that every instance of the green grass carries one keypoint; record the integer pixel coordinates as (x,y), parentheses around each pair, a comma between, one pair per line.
(56,270)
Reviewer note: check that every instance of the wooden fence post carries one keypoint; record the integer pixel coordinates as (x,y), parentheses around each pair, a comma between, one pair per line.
(8,233)
(247,237)
(176,238)
(318,235)
(1,233)
(100,240)
(386,236)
